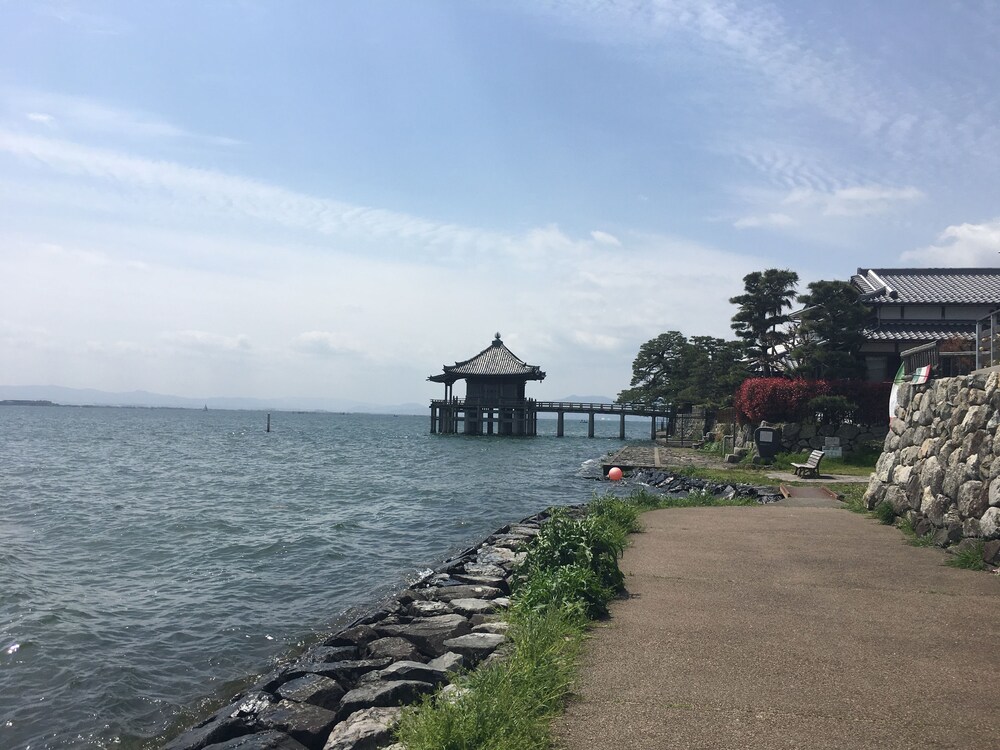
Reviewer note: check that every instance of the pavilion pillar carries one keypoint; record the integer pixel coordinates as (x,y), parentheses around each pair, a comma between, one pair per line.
(590,425)
(434,414)
(621,427)
(559,424)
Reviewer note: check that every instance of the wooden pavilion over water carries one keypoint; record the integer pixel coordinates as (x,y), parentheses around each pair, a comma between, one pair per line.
(495,401)
(495,382)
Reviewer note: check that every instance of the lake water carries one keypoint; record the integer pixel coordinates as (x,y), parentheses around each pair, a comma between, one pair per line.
(151,559)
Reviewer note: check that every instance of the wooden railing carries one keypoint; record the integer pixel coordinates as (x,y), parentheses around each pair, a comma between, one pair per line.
(554,406)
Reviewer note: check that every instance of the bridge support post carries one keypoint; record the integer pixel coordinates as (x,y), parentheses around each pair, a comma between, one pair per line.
(560,430)
(652,428)
(621,427)
(590,425)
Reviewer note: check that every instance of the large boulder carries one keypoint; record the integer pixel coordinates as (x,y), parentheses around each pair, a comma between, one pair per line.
(378,693)
(366,729)
(268,740)
(971,500)
(989,524)
(475,646)
(312,688)
(429,633)
(464,591)
(394,648)
(308,724)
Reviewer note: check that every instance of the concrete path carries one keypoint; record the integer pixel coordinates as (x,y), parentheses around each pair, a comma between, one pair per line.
(789,627)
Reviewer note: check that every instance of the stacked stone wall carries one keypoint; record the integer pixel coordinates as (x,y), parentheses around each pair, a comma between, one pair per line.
(796,437)
(940,466)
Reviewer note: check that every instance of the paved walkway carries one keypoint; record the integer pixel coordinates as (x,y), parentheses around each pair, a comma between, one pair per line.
(789,627)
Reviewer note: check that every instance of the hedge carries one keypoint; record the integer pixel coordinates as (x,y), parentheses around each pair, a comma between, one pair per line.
(784,400)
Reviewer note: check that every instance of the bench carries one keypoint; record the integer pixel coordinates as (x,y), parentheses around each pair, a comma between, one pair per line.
(811,467)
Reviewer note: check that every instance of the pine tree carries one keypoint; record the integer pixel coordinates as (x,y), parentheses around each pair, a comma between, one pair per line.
(760,321)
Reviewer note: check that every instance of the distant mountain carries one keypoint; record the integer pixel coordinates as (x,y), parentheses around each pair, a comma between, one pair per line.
(93,397)
(588,399)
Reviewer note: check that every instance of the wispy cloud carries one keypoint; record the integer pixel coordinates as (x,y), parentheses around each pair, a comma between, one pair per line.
(78,116)
(324,343)
(207,342)
(862,200)
(221,192)
(71,14)
(767,220)
(596,341)
(605,239)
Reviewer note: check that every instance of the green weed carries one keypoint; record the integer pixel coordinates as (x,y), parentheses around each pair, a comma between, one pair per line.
(884,513)
(507,704)
(970,558)
(924,540)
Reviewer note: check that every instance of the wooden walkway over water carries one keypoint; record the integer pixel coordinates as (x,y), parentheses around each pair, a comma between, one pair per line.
(477,417)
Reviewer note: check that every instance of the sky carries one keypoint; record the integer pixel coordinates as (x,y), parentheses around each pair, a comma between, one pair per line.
(333,200)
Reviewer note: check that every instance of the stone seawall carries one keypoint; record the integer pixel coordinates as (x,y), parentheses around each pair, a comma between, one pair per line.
(347,693)
(939,467)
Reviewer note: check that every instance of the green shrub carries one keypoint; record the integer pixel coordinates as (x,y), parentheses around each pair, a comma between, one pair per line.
(612,509)
(572,588)
(588,543)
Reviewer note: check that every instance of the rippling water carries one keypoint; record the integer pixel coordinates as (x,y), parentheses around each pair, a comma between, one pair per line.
(149,558)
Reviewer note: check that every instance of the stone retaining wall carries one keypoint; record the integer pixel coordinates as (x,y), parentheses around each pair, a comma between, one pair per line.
(347,693)
(939,468)
(797,437)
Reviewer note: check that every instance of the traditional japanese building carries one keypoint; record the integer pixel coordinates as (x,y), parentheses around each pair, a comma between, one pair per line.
(915,308)
(495,401)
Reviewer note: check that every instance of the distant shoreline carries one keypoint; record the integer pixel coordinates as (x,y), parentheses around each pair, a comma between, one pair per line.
(26,402)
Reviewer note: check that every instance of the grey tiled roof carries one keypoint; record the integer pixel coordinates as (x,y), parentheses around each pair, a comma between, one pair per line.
(908,330)
(929,286)
(496,359)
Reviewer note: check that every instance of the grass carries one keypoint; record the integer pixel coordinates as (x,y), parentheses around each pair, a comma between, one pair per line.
(923,540)
(740,475)
(853,496)
(970,558)
(570,573)
(509,703)
(859,463)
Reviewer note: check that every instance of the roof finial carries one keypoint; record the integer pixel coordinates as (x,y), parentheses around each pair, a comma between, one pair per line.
(496,339)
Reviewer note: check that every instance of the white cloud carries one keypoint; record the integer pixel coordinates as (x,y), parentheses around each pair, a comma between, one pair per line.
(766,220)
(605,239)
(324,343)
(204,341)
(40,117)
(596,341)
(960,245)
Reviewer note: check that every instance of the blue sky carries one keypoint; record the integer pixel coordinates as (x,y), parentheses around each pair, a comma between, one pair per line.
(334,199)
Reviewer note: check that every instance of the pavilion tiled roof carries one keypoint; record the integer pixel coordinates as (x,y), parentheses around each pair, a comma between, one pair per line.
(494,360)
(929,286)
(909,330)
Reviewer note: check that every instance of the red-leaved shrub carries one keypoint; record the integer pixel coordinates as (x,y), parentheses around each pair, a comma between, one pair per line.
(783,400)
